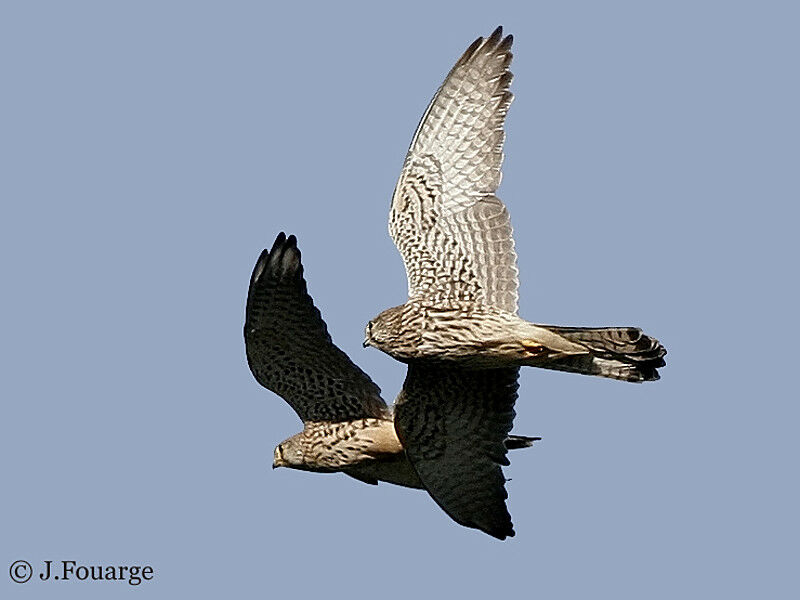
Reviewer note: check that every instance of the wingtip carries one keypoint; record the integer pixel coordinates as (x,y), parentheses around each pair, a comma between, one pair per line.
(259,267)
(286,259)
(503,533)
(495,43)
(282,259)
(469,52)
(279,241)
(506,44)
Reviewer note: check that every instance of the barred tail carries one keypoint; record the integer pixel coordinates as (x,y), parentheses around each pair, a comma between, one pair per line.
(623,353)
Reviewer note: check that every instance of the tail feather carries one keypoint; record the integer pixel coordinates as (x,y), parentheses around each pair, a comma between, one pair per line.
(623,353)
(602,367)
(514,442)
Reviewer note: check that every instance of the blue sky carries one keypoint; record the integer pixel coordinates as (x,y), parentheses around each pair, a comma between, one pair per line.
(151,150)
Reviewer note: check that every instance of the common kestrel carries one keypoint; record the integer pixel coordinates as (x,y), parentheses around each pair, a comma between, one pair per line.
(455,238)
(448,432)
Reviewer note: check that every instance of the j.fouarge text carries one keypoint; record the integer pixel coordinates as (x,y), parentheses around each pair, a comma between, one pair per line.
(67,570)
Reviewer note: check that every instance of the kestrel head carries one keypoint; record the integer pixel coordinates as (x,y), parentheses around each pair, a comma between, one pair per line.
(288,453)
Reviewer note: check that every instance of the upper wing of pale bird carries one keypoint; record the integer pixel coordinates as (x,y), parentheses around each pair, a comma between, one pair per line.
(290,351)
(454,234)
(453,424)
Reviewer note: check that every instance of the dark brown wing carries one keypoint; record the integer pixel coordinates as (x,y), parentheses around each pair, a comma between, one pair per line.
(453,423)
(289,350)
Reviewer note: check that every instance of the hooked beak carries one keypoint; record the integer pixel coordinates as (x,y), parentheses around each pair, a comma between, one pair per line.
(367,334)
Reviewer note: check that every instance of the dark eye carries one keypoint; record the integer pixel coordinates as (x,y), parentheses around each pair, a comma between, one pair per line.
(280,450)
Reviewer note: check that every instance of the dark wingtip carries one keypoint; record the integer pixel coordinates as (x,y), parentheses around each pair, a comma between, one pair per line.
(276,260)
(502,534)
(506,44)
(280,239)
(469,52)
(492,41)
(261,264)
(497,34)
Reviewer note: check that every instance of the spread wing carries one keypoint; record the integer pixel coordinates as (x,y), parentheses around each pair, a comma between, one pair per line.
(289,350)
(454,234)
(453,423)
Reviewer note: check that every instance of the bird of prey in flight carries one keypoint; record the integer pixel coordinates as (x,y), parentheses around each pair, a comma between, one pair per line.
(448,432)
(454,235)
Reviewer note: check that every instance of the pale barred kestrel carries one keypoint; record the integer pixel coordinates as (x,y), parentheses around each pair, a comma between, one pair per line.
(448,432)
(455,238)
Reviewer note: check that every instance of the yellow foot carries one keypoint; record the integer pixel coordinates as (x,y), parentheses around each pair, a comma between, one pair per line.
(531,348)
